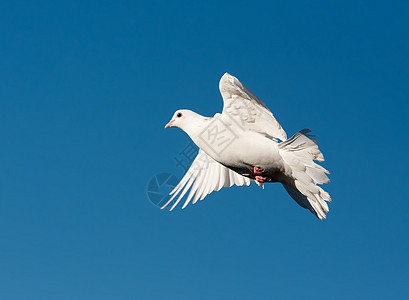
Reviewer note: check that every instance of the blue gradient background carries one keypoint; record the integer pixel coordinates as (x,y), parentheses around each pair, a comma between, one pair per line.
(86,88)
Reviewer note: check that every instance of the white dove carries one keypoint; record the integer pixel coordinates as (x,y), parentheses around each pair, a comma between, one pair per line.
(246,143)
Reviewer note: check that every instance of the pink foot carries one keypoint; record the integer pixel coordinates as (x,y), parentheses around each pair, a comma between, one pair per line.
(258,171)
(260,175)
(261,179)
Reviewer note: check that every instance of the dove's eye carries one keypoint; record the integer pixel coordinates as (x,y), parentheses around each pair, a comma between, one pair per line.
(179,115)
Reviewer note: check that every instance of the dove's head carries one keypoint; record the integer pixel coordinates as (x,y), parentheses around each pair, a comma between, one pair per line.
(184,118)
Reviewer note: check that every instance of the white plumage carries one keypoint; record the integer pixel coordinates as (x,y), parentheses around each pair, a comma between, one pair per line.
(244,144)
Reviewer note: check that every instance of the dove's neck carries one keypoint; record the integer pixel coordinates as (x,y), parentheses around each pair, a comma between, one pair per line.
(195,127)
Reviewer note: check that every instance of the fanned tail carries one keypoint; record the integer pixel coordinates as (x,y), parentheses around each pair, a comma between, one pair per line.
(299,153)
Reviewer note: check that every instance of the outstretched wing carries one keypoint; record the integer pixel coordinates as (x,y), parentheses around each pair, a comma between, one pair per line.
(204,176)
(247,110)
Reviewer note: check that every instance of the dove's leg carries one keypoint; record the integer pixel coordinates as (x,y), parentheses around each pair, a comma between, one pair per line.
(259,172)
(261,179)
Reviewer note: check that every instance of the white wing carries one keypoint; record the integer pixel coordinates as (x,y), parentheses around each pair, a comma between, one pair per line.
(206,175)
(247,110)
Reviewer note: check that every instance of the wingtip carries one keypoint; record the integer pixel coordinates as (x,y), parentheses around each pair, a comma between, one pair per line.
(227,76)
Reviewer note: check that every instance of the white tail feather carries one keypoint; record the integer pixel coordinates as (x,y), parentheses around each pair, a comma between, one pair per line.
(299,153)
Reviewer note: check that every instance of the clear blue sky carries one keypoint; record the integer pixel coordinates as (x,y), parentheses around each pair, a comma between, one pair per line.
(86,88)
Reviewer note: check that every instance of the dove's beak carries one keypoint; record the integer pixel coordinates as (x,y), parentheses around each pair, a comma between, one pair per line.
(170,124)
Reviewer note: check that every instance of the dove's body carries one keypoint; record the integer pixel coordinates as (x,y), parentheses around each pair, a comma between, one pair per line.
(247,150)
(259,152)
(243,144)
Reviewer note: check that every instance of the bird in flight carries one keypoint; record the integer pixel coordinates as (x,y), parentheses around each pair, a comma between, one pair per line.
(245,144)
